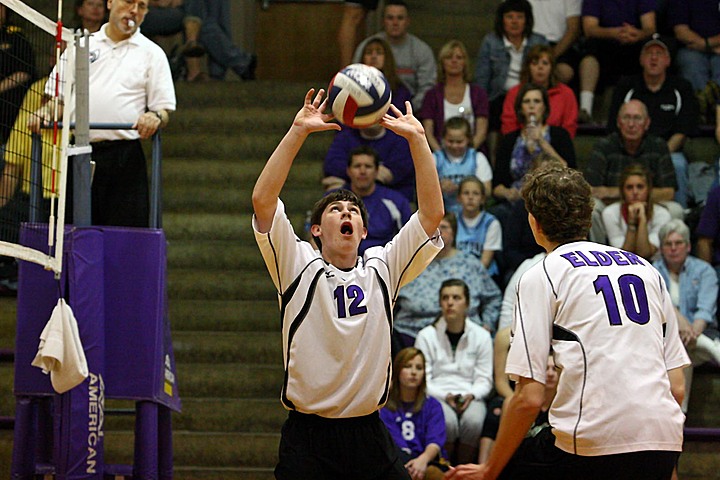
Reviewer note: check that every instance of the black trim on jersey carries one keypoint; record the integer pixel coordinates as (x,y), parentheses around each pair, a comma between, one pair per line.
(563,334)
(407,265)
(388,315)
(275,258)
(294,325)
(547,275)
(287,295)
(518,305)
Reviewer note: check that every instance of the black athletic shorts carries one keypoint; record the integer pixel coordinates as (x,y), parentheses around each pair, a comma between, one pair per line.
(317,448)
(366,4)
(538,458)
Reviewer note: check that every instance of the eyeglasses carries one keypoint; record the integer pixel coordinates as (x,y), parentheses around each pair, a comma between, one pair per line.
(632,119)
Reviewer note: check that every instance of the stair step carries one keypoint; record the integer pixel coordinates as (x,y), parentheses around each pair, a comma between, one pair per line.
(224,315)
(198,198)
(8,319)
(247,347)
(206,449)
(231,120)
(699,461)
(227,473)
(197,283)
(233,380)
(7,399)
(221,226)
(256,145)
(233,415)
(240,95)
(229,173)
(214,255)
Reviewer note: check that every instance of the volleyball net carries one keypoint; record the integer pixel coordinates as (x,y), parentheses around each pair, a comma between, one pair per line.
(34,165)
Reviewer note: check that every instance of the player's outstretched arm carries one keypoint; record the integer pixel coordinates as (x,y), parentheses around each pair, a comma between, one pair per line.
(427,184)
(519,412)
(310,118)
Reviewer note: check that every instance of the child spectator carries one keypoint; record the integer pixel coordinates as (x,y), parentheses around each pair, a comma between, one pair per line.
(415,420)
(539,68)
(479,232)
(417,306)
(453,96)
(459,369)
(457,159)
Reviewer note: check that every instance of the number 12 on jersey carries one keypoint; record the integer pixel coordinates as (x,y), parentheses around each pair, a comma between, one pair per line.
(356,297)
(632,294)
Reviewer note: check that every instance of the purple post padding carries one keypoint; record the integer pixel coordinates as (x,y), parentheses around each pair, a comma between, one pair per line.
(146,441)
(165,459)
(140,364)
(78,439)
(23,455)
(116,277)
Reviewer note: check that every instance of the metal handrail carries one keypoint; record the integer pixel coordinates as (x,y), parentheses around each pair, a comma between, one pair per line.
(155,220)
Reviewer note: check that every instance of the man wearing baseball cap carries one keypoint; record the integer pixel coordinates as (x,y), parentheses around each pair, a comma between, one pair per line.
(671,103)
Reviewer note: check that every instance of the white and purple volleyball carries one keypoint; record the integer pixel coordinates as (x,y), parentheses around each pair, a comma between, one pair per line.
(359,95)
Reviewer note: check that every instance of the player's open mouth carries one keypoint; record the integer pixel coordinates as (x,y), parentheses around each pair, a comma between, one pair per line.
(346,228)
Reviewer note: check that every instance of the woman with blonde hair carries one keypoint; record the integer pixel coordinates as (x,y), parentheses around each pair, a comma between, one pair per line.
(454,96)
(415,420)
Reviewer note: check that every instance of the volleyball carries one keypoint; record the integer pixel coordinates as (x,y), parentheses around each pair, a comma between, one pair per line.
(359,95)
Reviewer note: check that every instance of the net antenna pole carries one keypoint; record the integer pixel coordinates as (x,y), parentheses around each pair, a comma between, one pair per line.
(81,151)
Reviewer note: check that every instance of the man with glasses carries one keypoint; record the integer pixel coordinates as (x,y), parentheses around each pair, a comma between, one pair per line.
(671,104)
(631,143)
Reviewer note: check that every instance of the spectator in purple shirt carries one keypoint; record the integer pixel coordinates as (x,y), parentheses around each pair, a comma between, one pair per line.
(615,30)
(396,168)
(697,26)
(708,230)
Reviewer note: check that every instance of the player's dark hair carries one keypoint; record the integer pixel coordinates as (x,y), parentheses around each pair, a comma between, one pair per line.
(561,201)
(455,282)
(522,6)
(457,123)
(340,195)
(364,150)
(524,89)
(401,359)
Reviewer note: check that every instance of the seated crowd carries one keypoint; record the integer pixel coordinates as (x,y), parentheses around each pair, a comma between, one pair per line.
(534,88)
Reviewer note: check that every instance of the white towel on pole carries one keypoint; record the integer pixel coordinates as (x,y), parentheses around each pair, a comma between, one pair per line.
(60,352)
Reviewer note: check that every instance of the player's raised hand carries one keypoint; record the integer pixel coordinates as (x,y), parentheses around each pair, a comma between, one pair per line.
(312,116)
(404,125)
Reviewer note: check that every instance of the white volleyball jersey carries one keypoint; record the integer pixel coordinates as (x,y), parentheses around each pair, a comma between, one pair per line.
(337,324)
(608,316)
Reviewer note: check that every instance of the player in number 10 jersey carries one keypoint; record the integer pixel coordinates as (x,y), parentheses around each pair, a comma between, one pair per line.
(609,319)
